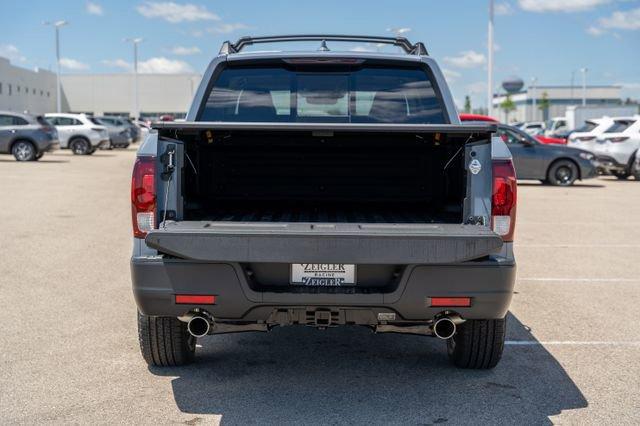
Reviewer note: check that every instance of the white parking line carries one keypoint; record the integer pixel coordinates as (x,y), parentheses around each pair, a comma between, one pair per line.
(587,280)
(578,245)
(569,343)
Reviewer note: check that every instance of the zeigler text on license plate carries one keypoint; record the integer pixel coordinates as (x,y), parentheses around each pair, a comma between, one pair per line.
(323,274)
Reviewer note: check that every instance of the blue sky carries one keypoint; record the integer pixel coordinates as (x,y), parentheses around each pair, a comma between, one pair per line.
(547,39)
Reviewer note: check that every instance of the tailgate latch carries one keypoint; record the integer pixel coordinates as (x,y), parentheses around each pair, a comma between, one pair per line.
(168,160)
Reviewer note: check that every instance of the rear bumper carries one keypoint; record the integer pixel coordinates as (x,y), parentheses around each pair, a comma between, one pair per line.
(607,164)
(157,280)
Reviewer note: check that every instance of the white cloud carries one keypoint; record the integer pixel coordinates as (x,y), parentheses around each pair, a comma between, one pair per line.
(399,31)
(503,9)
(12,53)
(627,20)
(541,6)
(451,75)
(595,31)
(184,51)
(94,9)
(162,65)
(73,64)
(118,63)
(477,87)
(174,12)
(227,28)
(466,59)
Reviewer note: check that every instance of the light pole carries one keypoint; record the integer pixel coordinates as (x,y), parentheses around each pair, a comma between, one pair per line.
(573,80)
(490,61)
(534,80)
(584,85)
(136,106)
(57,25)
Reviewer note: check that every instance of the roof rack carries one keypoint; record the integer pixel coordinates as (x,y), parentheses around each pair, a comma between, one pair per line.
(412,49)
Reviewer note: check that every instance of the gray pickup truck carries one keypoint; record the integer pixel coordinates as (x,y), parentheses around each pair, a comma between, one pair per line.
(323,188)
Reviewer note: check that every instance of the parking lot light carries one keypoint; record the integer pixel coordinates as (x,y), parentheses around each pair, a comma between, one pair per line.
(136,107)
(57,25)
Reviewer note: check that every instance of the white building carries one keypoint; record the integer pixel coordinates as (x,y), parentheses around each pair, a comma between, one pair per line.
(559,98)
(113,94)
(23,90)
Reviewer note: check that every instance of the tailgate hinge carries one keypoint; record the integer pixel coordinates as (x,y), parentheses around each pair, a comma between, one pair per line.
(476,220)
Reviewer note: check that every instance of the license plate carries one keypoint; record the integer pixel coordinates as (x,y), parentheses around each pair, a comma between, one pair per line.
(323,274)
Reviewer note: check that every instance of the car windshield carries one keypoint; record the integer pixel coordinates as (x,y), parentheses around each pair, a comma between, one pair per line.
(95,121)
(361,95)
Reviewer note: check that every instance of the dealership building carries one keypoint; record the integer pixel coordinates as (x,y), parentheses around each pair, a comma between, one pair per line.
(559,98)
(23,90)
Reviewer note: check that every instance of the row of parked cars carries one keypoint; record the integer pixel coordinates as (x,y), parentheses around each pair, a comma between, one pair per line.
(602,146)
(614,141)
(27,137)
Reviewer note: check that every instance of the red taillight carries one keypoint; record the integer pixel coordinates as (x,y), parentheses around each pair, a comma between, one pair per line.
(503,199)
(143,196)
(444,302)
(195,299)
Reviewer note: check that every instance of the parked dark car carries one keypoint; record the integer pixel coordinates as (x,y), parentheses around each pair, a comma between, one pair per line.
(550,163)
(119,132)
(26,136)
(134,129)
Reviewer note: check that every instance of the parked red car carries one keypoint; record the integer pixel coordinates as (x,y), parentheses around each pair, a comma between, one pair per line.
(539,138)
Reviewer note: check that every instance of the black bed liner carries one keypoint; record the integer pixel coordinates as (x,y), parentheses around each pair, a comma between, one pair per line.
(324,242)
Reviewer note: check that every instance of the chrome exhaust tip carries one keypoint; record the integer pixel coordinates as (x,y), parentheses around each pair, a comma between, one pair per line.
(198,326)
(444,328)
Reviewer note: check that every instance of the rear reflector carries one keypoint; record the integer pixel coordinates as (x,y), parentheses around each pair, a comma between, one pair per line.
(195,299)
(441,302)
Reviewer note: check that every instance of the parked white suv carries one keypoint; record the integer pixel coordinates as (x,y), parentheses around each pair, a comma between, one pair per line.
(616,148)
(78,133)
(585,137)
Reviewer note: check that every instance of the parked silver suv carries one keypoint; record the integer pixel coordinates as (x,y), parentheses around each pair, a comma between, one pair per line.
(25,136)
(78,133)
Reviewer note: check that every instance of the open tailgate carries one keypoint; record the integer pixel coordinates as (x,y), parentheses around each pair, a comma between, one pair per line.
(324,243)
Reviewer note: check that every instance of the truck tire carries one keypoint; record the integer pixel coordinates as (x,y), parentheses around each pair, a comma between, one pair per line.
(165,341)
(477,344)
(562,173)
(80,146)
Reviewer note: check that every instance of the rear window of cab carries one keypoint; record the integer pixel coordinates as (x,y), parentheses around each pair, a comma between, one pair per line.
(363,95)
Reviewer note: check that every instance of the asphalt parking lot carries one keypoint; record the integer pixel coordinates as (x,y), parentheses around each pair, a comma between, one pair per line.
(69,349)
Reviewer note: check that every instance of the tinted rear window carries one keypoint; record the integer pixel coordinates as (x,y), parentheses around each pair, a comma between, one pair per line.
(619,126)
(587,127)
(365,95)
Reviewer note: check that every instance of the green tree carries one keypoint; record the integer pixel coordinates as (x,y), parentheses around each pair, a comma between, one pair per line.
(507,106)
(467,104)
(543,103)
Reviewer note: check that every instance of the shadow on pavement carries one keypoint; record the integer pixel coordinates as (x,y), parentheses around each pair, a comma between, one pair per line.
(350,375)
(576,185)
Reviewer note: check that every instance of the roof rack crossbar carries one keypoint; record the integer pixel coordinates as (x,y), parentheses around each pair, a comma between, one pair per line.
(402,42)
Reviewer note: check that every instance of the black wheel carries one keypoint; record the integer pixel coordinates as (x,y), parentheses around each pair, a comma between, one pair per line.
(477,344)
(80,146)
(39,156)
(24,151)
(636,172)
(621,174)
(165,341)
(562,173)
(544,181)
